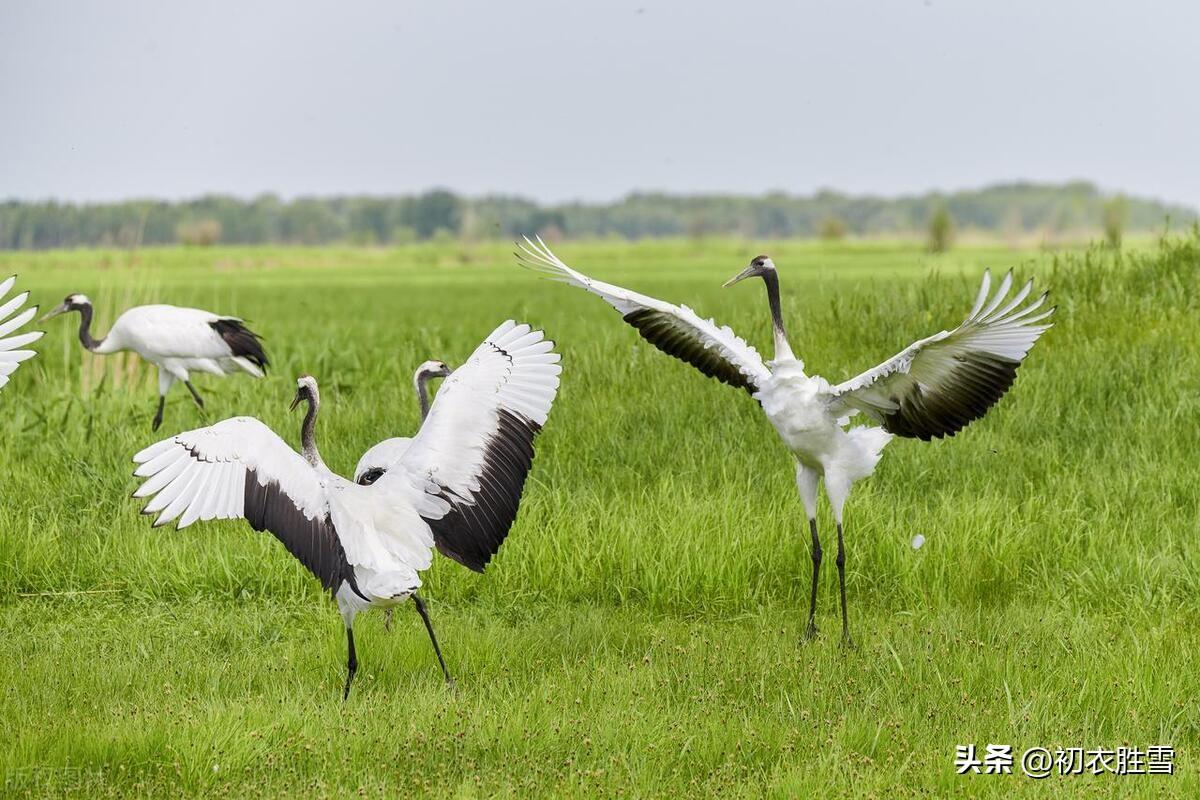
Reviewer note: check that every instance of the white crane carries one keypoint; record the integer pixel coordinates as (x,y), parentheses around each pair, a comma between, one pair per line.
(177,340)
(457,486)
(932,388)
(10,354)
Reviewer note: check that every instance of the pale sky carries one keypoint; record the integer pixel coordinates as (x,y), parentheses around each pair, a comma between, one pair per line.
(590,99)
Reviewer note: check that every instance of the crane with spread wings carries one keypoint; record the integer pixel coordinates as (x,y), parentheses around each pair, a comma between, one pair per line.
(932,388)
(455,487)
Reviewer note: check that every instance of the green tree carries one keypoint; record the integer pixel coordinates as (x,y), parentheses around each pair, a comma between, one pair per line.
(435,211)
(941,230)
(832,229)
(1116,215)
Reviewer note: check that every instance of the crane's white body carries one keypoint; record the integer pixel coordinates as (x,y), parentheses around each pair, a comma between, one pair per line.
(12,344)
(824,446)
(177,340)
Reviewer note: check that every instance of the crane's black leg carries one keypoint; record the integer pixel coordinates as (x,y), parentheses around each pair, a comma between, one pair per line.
(387,619)
(351,663)
(432,637)
(811,632)
(841,565)
(162,399)
(195,394)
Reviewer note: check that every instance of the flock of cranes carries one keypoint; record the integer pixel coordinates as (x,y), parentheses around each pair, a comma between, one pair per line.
(456,484)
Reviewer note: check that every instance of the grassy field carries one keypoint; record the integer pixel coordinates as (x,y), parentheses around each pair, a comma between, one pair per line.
(640,632)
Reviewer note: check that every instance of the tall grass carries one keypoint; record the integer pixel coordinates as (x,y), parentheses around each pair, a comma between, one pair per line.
(650,595)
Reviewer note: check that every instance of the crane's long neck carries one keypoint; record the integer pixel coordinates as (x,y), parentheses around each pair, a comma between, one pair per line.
(85,329)
(422,382)
(783,350)
(308,434)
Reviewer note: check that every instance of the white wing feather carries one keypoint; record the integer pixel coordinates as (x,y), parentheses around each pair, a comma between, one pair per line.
(516,370)
(202,475)
(695,339)
(205,470)
(946,380)
(11,352)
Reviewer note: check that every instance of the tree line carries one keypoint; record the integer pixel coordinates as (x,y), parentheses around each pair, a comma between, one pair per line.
(1007,209)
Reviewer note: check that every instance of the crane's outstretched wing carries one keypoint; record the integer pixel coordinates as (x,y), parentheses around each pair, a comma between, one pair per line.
(934,387)
(676,330)
(475,448)
(241,468)
(10,354)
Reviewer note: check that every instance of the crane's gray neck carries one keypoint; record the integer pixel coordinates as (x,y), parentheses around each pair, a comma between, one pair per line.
(308,433)
(783,350)
(85,328)
(422,382)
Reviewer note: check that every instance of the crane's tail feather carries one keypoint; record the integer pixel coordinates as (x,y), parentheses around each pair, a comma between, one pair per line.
(868,443)
(244,344)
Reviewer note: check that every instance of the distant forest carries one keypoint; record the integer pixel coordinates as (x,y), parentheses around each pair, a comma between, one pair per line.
(1009,210)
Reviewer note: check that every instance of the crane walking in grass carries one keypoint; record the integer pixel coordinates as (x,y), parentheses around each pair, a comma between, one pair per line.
(932,388)
(177,340)
(456,486)
(11,344)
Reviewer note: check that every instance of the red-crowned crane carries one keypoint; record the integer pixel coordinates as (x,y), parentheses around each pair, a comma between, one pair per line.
(12,344)
(177,340)
(456,487)
(932,388)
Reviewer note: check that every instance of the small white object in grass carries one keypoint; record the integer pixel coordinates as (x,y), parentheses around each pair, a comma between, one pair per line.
(917,541)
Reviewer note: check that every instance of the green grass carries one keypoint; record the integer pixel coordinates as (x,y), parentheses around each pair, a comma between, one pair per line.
(640,631)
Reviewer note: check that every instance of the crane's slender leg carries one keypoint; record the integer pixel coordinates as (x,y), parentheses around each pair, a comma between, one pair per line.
(837,486)
(806,482)
(432,636)
(387,619)
(195,394)
(351,661)
(811,631)
(162,401)
(847,640)
(165,381)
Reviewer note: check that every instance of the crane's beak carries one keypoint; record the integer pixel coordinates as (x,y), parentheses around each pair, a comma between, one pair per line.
(748,272)
(54,312)
(296,400)
(445,372)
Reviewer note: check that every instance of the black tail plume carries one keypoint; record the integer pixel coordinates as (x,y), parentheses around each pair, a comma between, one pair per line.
(242,341)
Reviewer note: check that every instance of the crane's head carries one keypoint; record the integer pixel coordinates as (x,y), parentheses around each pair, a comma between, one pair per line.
(72,302)
(306,389)
(759,267)
(432,369)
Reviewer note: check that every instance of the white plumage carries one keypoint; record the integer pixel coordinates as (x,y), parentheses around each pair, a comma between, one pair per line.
(456,486)
(12,344)
(932,388)
(179,341)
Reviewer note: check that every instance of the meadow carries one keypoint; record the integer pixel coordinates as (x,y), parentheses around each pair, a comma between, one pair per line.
(640,632)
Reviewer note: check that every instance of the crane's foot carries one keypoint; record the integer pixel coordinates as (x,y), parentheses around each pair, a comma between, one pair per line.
(811,633)
(848,642)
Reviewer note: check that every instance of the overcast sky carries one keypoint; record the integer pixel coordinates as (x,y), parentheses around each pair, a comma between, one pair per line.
(590,99)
